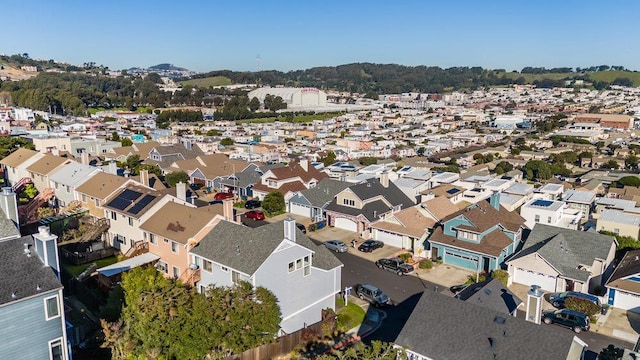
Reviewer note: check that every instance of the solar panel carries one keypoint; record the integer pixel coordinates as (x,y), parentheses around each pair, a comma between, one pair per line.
(130,194)
(452,191)
(119,203)
(141,204)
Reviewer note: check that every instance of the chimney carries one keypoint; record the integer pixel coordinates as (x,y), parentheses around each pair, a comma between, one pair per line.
(384,179)
(113,167)
(144,177)
(494,200)
(84,158)
(227,210)
(46,245)
(181,191)
(534,304)
(9,205)
(304,163)
(290,229)
(428,196)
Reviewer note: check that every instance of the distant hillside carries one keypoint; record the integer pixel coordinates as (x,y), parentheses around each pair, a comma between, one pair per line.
(208,81)
(166,67)
(393,78)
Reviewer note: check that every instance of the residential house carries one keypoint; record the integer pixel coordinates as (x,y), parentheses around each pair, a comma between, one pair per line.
(94,192)
(623,287)
(303,276)
(287,180)
(479,332)
(550,212)
(619,222)
(313,202)
(493,295)
(165,155)
(15,164)
(131,206)
(240,183)
(558,259)
(413,188)
(355,208)
(174,229)
(580,200)
(40,170)
(67,177)
(405,229)
(32,313)
(550,191)
(206,169)
(478,237)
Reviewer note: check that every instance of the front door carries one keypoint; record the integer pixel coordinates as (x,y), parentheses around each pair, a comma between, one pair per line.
(485,264)
(434,253)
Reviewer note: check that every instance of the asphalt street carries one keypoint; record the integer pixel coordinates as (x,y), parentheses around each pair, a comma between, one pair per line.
(405,291)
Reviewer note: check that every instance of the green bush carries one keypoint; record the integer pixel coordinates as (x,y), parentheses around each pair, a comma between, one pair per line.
(582,305)
(405,257)
(501,275)
(426,264)
(313,227)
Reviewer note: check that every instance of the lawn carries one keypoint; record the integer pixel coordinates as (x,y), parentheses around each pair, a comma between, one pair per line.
(76,270)
(349,316)
(208,81)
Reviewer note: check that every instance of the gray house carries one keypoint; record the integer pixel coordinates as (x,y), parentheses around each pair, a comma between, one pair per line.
(32,321)
(312,202)
(66,177)
(470,331)
(303,276)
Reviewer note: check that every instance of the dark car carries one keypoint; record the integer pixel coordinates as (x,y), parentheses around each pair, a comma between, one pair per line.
(396,265)
(301,227)
(370,245)
(254,214)
(572,319)
(252,204)
(373,295)
(558,299)
(195,186)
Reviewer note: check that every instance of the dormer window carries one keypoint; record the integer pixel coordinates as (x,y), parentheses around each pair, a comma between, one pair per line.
(467,235)
(349,202)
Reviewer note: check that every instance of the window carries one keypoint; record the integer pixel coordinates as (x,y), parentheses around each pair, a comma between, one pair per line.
(298,264)
(84,198)
(114,216)
(176,272)
(292,267)
(206,265)
(162,267)
(56,350)
(130,221)
(307,266)
(97,202)
(235,276)
(349,202)
(616,230)
(152,239)
(537,218)
(224,268)
(68,189)
(174,247)
(548,219)
(121,239)
(51,307)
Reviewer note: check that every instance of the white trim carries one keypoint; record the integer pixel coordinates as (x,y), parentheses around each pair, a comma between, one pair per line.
(62,347)
(46,307)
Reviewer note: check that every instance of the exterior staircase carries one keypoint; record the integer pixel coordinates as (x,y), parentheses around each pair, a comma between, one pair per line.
(19,186)
(190,277)
(29,213)
(139,247)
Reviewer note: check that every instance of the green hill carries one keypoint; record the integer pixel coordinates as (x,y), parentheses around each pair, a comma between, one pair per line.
(208,81)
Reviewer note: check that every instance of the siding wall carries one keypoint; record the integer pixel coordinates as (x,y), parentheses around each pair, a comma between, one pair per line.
(24,332)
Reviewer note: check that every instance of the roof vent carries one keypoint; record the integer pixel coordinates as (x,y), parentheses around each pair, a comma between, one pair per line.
(499,320)
(38,288)
(492,342)
(238,249)
(13,295)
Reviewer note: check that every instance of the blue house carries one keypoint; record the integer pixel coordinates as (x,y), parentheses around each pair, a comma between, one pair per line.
(478,237)
(32,319)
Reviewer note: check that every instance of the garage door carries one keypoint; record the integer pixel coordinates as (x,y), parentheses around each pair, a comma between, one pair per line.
(528,277)
(300,210)
(627,301)
(346,224)
(388,238)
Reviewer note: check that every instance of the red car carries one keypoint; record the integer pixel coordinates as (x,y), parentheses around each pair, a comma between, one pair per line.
(254,214)
(222,196)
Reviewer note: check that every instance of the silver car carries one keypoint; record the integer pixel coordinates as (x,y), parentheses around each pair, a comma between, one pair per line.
(336,245)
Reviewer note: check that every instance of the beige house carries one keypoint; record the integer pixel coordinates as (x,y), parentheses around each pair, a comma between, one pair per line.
(619,222)
(52,144)
(93,192)
(16,164)
(40,169)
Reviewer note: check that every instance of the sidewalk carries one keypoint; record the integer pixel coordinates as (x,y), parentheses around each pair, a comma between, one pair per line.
(372,321)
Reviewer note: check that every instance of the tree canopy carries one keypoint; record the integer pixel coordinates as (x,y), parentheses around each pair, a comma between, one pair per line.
(273,203)
(175,177)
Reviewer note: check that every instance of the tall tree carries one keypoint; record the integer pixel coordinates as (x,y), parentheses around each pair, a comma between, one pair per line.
(273,203)
(175,177)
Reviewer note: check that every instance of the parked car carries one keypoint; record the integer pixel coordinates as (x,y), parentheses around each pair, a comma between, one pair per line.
(394,264)
(301,227)
(370,245)
(372,294)
(336,245)
(252,204)
(558,299)
(195,186)
(575,320)
(254,214)
(222,195)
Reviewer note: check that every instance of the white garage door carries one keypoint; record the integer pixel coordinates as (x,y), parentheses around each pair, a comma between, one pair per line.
(300,210)
(528,277)
(346,224)
(627,301)
(388,238)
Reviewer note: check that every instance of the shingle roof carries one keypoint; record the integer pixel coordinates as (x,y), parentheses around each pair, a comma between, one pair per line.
(440,207)
(491,294)
(46,164)
(566,249)
(245,249)
(8,229)
(324,192)
(372,188)
(484,216)
(179,222)
(18,157)
(463,330)
(294,170)
(101,185)
(630,265)
(412,223)
(23,275)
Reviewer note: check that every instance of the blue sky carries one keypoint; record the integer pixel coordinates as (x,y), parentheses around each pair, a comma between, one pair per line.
(210,35)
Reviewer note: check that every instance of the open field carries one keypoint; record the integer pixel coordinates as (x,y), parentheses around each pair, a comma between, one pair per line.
(209,81)
(607,76)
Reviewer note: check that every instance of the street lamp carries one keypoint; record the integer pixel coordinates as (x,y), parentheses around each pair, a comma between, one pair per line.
(234,178)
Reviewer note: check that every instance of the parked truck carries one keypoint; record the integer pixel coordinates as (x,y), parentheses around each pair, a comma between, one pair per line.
(396,265)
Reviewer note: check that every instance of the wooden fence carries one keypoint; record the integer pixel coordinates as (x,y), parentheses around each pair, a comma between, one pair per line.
(286,343)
